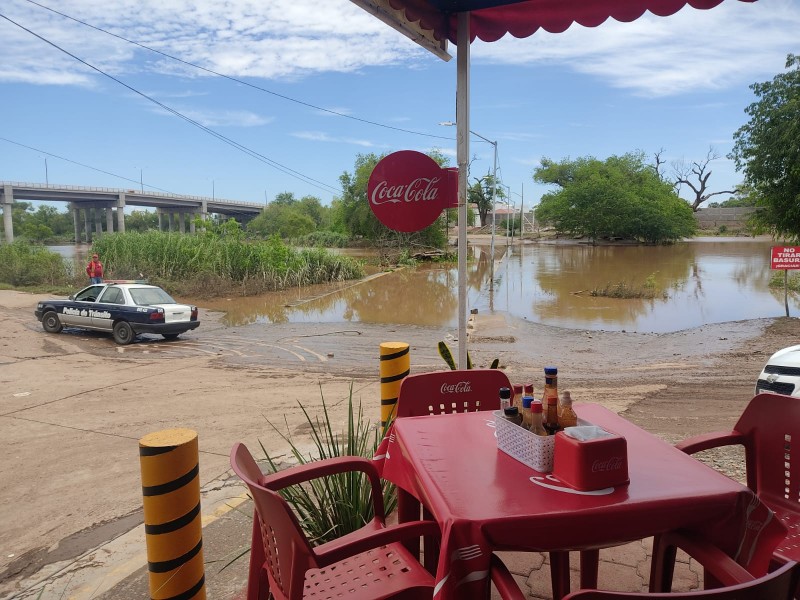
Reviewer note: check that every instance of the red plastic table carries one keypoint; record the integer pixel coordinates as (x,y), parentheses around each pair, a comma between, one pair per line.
(484,500)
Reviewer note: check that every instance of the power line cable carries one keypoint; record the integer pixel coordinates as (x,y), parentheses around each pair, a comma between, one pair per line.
(240,81)
(274,164)
(136,181)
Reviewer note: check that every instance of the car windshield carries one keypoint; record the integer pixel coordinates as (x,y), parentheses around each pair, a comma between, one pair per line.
(148,296)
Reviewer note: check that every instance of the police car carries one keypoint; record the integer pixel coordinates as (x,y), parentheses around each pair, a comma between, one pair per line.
(781,374)
(122,308)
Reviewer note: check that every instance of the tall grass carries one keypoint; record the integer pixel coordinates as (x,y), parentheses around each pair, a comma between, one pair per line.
(26,264)
(260,265)
(792,281)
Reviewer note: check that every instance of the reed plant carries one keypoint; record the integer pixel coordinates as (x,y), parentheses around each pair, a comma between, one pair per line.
(792,281)
(330,507)
(264,265)
(23,264)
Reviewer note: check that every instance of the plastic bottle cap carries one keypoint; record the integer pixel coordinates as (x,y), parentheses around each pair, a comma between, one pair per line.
(517,389)
(536,407)
(551,370)
(528,387)
(505,393)
(527,401)
(511,411)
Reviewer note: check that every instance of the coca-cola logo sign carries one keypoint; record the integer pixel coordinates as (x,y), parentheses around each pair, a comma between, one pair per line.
(408,190)
(611,464)
(462,387)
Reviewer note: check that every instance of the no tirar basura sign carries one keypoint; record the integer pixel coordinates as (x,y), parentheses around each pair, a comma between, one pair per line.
(785,257)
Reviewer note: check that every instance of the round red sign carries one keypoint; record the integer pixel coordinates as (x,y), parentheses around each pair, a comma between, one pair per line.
(407,191)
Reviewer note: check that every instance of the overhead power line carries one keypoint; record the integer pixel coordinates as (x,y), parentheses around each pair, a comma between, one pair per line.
(136,181)
(240,81)
(274,164)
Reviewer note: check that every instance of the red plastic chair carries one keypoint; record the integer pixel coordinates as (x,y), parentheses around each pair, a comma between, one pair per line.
(769,430)
(443,392)
(368,564)
(778,585)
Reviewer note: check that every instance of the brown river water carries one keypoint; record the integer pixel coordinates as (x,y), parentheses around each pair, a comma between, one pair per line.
(705,280)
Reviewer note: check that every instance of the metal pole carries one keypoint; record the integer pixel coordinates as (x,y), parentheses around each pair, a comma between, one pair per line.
(522,211)
(462,135)
(141,181)
(46,176)
(494,194)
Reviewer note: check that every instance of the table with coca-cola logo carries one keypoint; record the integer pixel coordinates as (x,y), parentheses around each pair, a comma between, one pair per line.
(484,500)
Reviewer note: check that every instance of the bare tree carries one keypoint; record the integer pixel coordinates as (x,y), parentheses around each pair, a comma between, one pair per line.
(695,175)
(659,161)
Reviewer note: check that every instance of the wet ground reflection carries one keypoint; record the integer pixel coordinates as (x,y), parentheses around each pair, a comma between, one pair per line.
(706,281)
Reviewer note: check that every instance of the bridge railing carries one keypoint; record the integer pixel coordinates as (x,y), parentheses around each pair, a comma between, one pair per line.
(80,188)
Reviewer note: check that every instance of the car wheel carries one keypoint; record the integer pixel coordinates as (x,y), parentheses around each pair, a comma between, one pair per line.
(51,323)
(170,336)
(123,333)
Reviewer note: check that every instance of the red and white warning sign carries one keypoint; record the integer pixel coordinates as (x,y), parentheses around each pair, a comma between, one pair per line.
(785,257)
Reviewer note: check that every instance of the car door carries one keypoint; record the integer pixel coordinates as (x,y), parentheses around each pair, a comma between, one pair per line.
(76,313)
(107,308)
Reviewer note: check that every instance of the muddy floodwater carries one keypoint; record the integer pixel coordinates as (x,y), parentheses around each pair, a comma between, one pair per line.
(706,280)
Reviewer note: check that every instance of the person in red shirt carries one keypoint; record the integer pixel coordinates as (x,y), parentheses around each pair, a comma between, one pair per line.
(95,269)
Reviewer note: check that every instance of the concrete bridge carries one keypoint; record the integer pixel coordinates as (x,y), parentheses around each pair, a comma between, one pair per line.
(91,206)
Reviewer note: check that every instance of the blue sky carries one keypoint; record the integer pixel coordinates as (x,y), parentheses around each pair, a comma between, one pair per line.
(678,83)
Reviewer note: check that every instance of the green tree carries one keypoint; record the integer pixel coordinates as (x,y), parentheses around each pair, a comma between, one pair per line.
(480,194)
(285,219)
(619,197)
(767,149)
(141,220)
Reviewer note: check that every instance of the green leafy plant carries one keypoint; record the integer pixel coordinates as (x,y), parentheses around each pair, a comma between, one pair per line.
(447,357)
(330,507)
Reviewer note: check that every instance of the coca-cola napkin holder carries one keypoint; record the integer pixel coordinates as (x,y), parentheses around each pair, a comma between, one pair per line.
(591,464)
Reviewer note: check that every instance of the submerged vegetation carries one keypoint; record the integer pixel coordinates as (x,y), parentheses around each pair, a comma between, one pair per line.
(649,290)
(792,281)
(23,264)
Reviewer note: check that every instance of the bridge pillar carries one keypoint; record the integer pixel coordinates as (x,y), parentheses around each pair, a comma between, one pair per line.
(204,209)
(8,224)
(110,219)
(160,224)
(182,221)
(121,213)
(98,224)
(192,216)
(170,219)
(86,226)
(76,222)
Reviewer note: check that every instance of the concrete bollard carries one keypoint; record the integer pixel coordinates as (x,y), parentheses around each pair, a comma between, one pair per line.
(395,366)
(172,520)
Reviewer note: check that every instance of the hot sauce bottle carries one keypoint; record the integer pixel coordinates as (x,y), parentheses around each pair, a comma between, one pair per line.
(567,416)
(550,399)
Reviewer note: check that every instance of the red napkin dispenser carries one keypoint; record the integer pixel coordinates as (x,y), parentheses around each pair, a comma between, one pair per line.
(591,464)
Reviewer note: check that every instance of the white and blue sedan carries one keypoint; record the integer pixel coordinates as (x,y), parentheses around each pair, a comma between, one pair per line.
(121,308)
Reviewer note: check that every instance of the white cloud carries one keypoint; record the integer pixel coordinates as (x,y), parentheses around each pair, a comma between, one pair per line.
(318,136)
(713,49)
(222,118)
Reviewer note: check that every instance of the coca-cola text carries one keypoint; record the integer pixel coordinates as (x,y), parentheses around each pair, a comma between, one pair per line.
(420,189)
(462,387)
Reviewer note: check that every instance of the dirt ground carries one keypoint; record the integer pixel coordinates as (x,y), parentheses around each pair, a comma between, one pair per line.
(73,406)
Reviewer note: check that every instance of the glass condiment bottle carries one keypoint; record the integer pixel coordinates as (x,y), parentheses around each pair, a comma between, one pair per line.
(526,411)
(550,399)
(512,414)
(536,419)
(516,397)
(505,398)
(567,416)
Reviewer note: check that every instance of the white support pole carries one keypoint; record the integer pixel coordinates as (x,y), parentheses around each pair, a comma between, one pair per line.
(462,135)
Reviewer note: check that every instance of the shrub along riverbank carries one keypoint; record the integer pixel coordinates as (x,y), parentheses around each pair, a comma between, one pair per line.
(200,265)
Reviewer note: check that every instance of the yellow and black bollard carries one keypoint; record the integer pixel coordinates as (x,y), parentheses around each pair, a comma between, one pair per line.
(395,366)
(172,521)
